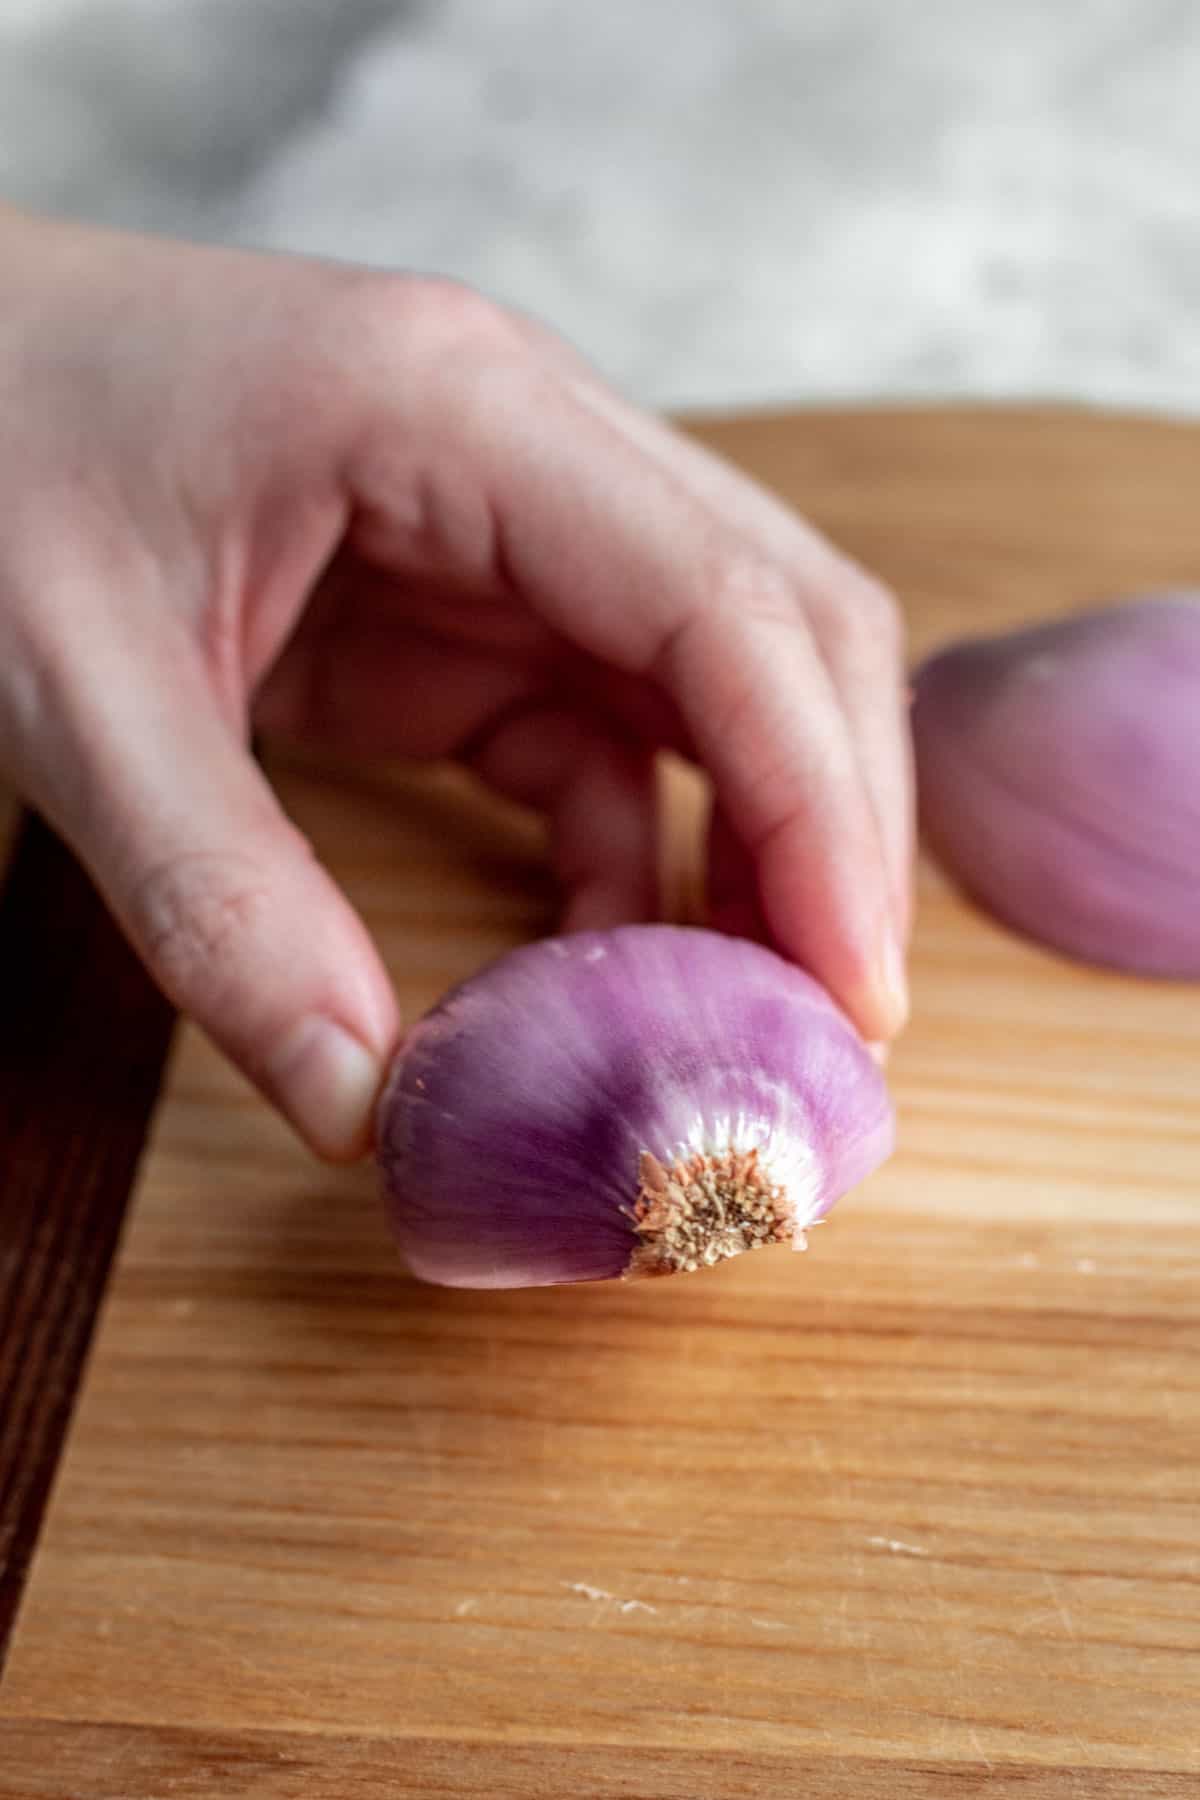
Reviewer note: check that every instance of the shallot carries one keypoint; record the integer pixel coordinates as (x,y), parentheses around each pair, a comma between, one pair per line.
(1059,779)
(636,1102)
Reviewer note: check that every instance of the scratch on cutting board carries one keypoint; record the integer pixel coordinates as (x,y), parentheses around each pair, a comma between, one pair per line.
(1060,1607)
(980,1752)
(466,1606)
(897,1546)
(598,1593)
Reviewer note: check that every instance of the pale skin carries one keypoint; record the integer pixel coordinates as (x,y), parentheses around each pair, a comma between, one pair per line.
(378,512)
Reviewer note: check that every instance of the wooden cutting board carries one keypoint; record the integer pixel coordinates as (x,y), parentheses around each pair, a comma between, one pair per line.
(917,1515)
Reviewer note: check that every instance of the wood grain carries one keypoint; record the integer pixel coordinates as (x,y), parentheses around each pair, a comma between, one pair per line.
(917,1515)
(48,1761)
(75,1099)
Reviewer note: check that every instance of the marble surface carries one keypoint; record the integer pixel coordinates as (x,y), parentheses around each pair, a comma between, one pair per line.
(724,202)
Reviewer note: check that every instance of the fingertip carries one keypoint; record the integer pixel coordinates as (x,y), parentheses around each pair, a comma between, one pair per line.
(879,1004)
(834,922)
(894,986)
(327,1083)
(603,905)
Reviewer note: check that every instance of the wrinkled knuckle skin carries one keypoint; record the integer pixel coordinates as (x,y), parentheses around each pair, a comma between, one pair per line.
(754,590)
(197,920)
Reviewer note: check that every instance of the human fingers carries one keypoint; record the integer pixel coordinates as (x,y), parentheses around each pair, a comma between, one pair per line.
(219,893)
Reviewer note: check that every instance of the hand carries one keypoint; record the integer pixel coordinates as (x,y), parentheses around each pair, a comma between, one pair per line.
(392,516)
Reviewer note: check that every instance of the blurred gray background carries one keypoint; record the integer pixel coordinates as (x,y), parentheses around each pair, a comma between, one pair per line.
(723,202)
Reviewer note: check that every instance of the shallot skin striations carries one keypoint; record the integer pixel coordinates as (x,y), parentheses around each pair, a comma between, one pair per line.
(642,1101)
(1059,779)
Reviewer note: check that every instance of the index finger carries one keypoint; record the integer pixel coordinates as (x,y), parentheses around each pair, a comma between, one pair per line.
(623,556)
(855,622)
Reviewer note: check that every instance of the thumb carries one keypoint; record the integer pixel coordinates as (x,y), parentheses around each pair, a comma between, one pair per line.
(220,894)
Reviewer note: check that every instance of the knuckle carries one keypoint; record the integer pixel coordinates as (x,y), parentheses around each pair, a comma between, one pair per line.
(862,621)
(445,318)
(752,589)
(877,612)
(198,919)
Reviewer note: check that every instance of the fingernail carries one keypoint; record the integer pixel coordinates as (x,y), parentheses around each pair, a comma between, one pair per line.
(893,986)
(326,1081)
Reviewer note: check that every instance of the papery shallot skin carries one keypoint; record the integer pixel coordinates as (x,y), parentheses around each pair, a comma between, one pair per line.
(637,1101)
(1059,779)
